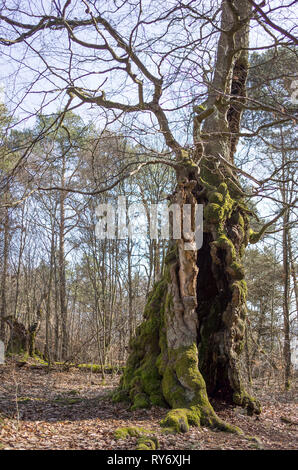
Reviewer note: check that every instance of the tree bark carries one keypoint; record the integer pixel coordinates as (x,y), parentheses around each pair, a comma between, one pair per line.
(62,274)
(6,240)
(18,342)
(293,269)
(286,304)
(286,197)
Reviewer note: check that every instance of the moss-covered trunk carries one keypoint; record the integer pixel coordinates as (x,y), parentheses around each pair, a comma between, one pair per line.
(18,340)
(21,339)
(187,349)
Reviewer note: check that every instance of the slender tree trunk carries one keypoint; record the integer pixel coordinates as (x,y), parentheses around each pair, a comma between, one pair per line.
(129,285)
(286,304)
(6,236)
(293,269)
(286,270)
(21,251)
(259,330)
(47,350)
(62,276)
(57,314)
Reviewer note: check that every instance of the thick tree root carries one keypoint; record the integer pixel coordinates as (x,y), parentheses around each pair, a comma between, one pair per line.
(251,404)
(180,420)
(184,388)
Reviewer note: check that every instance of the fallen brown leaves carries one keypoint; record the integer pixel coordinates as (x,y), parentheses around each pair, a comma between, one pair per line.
(72,410)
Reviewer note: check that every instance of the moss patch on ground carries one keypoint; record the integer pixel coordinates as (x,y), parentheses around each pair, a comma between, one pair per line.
(67,401)
(145,438)
(147,443)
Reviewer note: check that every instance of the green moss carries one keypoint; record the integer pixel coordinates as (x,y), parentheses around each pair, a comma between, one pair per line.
(123,433)
(256,443)
(157,400)
(24,400)
(131,431)
(185,154)
(209,178)
(236,270)
(251,404)
(240,290)
(213,213)
(177,420)
(180,420)
(172,389)
(140,400)
(147,443)
(241,221)
(226,244)
(187,369)
(185,390)
(120,396)
(172,255)
(216,198)
(223,189)
(62,400)
(288,385)
(188,161)
(141,380)
(220,205)
(254,237)
(93,367)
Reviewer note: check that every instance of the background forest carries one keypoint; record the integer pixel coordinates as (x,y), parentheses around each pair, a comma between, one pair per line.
(86,296)
(150,101)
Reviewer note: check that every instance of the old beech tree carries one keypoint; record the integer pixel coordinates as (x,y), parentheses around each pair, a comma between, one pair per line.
(188,346)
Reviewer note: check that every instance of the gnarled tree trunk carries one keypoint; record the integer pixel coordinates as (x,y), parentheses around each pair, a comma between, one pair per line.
(187,349)
(18,342)
(22,339)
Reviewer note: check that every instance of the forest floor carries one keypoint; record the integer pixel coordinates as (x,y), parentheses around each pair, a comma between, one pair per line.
(41,409)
